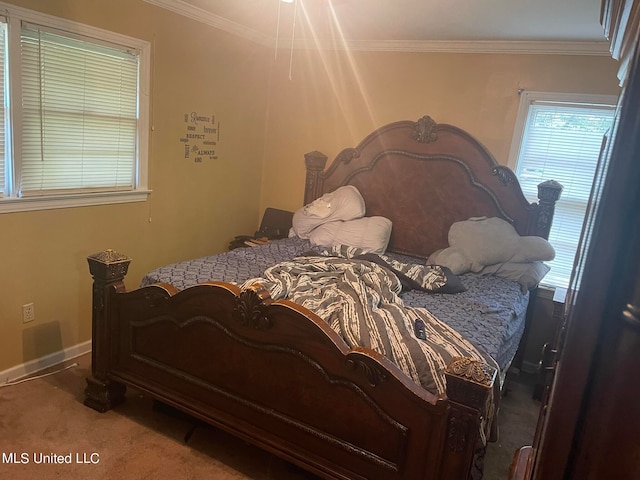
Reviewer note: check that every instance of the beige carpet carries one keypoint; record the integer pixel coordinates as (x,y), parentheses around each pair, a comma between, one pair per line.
(44,420)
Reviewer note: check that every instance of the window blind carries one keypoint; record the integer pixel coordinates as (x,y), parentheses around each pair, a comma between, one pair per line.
(3,145)
(563,142)
(79,115)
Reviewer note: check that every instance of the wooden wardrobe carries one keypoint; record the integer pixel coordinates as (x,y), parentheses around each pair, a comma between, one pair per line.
(589,426)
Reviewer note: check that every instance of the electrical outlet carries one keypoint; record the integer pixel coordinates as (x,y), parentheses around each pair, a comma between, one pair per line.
(28,313)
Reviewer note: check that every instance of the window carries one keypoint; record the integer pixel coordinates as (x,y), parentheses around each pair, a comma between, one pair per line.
(75,117)
(559,137)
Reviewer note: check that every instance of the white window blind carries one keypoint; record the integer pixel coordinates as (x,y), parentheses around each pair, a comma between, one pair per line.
(562,142)
(3,116)
(79,115)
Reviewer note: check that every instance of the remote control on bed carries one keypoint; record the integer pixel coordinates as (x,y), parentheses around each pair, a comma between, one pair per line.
(418,328)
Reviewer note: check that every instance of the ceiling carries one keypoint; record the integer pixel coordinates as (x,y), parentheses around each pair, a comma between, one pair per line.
(547,26)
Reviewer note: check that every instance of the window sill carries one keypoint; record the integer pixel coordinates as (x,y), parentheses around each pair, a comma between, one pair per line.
(27,204)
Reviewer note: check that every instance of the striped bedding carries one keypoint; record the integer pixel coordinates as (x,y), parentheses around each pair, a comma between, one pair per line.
(360,301)
(489,314)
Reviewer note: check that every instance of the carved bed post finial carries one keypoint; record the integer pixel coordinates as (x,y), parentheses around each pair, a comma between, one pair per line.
(472,370)
(108,269)
(548,193)
(315,162)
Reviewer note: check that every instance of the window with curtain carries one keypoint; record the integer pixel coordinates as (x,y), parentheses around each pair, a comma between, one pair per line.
(77,122)
(559,137)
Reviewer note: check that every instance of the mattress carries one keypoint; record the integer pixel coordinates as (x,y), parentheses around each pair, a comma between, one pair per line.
(490,313)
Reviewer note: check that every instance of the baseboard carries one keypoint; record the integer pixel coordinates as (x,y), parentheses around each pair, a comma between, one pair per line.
(42,363)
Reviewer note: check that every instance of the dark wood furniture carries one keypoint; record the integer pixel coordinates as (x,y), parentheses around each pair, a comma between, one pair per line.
(275,224)
(549,351)
(278,376)
(588,428)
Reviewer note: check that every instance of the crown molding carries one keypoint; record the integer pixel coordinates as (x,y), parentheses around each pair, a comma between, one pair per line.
(484,46)
(213,20)
(443,46)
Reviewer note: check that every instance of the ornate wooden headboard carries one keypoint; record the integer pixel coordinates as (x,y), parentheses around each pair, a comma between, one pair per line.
(425,176)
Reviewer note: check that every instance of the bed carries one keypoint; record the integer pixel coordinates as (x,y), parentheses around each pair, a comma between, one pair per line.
(278,375)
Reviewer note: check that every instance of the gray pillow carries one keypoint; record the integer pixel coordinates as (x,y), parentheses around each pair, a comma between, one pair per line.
(483,241)
(528,275)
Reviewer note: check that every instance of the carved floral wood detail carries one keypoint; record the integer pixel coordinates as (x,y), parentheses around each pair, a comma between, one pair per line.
(251,307)
(426,130)
(457,434)
(504,174)
(346,155)
(108,265)
(374,375)
(472,369)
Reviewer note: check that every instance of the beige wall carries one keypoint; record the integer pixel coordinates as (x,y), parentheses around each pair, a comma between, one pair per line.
(194,209)
(334,100)
(268,122)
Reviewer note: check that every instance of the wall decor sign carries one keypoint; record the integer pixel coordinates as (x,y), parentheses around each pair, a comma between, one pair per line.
(201,137)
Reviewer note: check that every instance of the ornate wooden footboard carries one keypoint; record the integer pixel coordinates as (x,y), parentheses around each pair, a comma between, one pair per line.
(277,376)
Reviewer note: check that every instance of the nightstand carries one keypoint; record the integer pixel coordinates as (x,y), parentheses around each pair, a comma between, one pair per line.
(275,224)
(549,349)
(559,297)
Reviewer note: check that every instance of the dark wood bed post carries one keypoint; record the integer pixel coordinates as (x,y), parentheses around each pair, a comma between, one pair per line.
(469,386)
(548,194)
(315,162)
(108,269)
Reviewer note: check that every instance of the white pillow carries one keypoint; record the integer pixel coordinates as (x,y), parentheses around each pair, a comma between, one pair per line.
(343,204)
(369,233)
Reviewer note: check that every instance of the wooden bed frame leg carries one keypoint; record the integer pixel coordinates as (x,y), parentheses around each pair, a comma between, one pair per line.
(108,269)
(102,395)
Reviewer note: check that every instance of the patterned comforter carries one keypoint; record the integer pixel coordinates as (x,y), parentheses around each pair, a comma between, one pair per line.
(360,300)
(489,314)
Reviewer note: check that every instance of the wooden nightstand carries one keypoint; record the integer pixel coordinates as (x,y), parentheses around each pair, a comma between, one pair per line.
(549,349)
(559,297)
